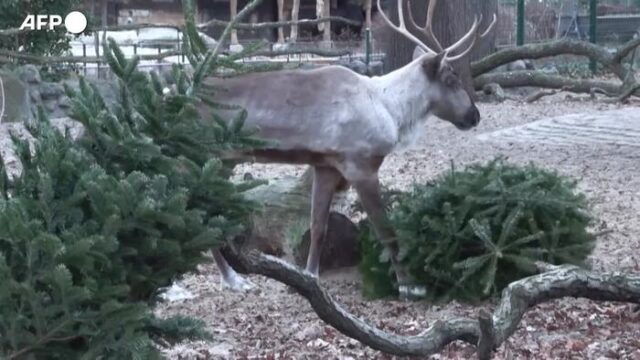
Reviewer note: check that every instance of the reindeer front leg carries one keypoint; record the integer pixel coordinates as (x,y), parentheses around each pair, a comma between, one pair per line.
(367,185)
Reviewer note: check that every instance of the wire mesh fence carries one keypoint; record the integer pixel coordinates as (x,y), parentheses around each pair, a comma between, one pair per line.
(618,21)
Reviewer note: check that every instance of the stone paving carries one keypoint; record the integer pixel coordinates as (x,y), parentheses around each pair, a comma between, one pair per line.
(613,127)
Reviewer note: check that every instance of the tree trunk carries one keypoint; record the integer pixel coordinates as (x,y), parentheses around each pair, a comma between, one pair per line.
(233,5)
(447,28)
(295,11)
(367,8)
(280,18)
(326,35)
(104,12)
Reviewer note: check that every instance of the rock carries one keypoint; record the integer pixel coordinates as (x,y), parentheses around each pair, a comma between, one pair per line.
(50,105)
(65,102)
(285,203)
(29,74)
(280,46)
(17,98)
(311,332)
(236,48)
(494,92)
(34,94)
(340,248)
(356,65)
(376,68)
(518,65)
(51,91)
(221,351)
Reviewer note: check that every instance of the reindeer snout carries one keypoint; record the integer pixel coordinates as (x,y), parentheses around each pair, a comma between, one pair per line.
(473,117)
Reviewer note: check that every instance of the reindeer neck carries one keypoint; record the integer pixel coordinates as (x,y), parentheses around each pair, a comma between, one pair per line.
(405,94)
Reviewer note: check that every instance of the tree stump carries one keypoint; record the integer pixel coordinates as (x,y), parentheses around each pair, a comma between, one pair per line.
(281,227)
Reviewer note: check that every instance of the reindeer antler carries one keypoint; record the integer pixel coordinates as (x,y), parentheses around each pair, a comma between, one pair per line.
(427,30)
(472,34)
(402,28)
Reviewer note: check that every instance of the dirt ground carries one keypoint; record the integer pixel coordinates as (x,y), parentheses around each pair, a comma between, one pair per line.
(269,322)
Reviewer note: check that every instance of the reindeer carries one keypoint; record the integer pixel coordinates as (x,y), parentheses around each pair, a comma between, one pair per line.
(344,125)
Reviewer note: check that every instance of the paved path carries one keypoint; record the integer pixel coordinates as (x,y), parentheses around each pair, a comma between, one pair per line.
(613,127)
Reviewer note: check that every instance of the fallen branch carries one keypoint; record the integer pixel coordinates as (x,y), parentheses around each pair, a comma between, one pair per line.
(488,333)
(632,90)
(542,93)
(549,49)
(539,79)
(626,49)
(554,48)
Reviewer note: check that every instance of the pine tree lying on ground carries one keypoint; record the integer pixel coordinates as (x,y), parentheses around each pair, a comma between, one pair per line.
(471,232)
(93,228)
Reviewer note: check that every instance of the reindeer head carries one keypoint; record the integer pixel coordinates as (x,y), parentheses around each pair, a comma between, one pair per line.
(447,96)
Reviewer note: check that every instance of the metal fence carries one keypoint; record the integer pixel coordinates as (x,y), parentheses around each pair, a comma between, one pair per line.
(160,47)
(617,21)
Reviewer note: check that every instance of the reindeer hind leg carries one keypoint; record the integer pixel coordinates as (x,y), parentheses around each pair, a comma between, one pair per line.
(230,278)
(325,183)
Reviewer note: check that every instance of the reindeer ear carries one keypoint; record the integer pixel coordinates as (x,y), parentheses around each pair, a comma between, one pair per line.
(432,65)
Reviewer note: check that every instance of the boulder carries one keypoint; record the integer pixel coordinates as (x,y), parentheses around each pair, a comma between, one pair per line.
(29,74)
(356,65)
(376,68)
(279,227)
(16,98)
(340,248)
(51,91)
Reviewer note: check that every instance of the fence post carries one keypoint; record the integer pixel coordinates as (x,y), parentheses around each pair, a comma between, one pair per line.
(84,55)
(593,28)
(367,46)
(520,28)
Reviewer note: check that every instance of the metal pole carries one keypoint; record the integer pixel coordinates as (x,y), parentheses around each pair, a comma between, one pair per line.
(593,27)
(367,46)
(520,28)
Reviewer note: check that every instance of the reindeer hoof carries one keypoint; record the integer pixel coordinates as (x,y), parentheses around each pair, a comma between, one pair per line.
(236,282)
(412,292)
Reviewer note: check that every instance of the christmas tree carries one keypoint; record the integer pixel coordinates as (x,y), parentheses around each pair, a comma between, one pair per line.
(93,227)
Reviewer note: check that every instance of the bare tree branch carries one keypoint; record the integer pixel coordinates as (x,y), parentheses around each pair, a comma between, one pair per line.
(626,49)
(487,341)
(548,49)
(542,93)
(539,79)
(517,298)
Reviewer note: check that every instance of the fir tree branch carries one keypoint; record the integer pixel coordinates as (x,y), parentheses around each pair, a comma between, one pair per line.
(555,282)
(2,95)
(48,337)
(230,26)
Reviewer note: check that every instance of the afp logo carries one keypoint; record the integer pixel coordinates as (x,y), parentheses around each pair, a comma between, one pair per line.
(75,22)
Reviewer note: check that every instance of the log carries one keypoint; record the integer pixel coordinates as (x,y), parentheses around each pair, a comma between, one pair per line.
(549,49)
(486,332)
(539,79)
